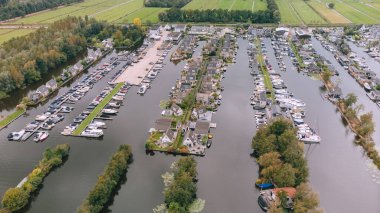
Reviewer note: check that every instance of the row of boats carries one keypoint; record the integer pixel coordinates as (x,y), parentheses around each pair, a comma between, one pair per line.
(283,103)
(94,129)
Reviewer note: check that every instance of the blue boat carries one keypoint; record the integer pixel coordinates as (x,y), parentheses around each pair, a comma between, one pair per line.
(264,185)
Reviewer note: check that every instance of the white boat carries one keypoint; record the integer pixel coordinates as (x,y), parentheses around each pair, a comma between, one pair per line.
(118,98)
(41,136)
(310,138)
(114,104)
(92,133)
(15,136)
(109,111)
(142,90)
(42,117)
(367,87)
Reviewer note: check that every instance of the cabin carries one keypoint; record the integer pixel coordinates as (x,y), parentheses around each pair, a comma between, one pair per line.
(107,43)
(168,137)
(51,84)
(177,111)
(189,139)
(162,124)
(78,66)
(43,90)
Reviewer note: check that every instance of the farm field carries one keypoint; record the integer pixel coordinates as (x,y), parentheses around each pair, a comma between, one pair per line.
(7,34)
(227,4)
(353,14)
(331,15)
(364,9)
(307,14)
(145,14)
(110,10)
(288,15)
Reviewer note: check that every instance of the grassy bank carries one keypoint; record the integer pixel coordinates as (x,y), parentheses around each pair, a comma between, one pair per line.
(264,70)
(17,198)
(108,181)
(10,118)
(97,110)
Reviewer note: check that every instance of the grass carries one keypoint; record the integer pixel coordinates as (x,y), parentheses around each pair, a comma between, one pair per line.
(145,14)
(369,11)
(11,117)
(227,4)
(97,110)
(354,16)
(331,15)
(267,81)
(307,14)
(288,15)
(7,34)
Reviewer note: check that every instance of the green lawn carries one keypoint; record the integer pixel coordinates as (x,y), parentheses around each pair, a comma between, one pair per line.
(11,117)
(260,5)
(202,4)
(97,110)
(267,81)
(227,4)
(7,34)
(374,13)
(308,15)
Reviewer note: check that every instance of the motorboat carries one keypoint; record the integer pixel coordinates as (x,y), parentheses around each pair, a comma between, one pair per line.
(92,133)
(32,125)
(118,98)
(142,90)
(98,124)
(41,136)
(15,136)
(114,104)
(42,117)
(66,109)
(47,125)
(109,111)
(367,87)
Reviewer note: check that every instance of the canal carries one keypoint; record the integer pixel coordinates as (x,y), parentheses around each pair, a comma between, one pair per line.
(339,170)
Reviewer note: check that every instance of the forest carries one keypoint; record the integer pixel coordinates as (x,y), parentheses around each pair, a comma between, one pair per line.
(16,8)
(166,3)
(24,60)
(271,15)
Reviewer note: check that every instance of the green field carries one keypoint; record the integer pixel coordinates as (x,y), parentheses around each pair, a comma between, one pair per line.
(288,14)
(7,34)
(7,120)
(253,5)
(331,15)
(308,15)
(353,14)
(145,14)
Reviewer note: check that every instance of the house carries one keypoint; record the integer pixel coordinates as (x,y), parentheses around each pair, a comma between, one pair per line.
(72,71)
(78,66)
(202,128)
(52,84)
(189,139)
(168,136)
(35,97)
(174,36)
(91,55)
(162,124)
(177,111)
(98,53)
(107,43)
(180,28)
(43,90)
(203,98)
(281,31)
(303,34)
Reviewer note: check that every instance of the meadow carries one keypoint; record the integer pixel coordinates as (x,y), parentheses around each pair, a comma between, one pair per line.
(253,5)
(7,34)
(331,15)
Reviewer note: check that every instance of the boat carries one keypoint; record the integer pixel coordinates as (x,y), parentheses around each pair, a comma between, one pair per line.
(47,125)
(118,98)
(42,117)
(114,104)
(109,111)
(92,133)
(26,136)
(142,90)
(264,186)
(15,136)
(367,87)
(209,143)
(41,136)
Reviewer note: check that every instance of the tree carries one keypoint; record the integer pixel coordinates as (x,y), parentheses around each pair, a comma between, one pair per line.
(137,22)
(306,200)
(331,5)
(15,199)
(350,100)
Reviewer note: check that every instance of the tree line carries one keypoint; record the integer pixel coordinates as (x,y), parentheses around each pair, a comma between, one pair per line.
(108,181)
(166,3)
(24,60)
(17,198)
(270,15)
(280,157)
(12,8)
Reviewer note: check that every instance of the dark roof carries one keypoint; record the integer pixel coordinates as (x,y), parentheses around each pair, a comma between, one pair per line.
(202,128)
(163,124)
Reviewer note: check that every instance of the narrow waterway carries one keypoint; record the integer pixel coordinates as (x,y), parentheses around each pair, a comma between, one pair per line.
(339,171)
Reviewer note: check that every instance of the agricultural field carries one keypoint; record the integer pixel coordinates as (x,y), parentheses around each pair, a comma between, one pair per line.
(307,14)
(288,14)
(331,15)
(253,5)
(110,10)
(7,34)
(353,14)
(145,14)
(364,9)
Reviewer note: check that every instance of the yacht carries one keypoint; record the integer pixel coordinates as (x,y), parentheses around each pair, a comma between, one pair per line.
(15,136)
(42,117)
(41,136)
(92,133)
(109,111)
(142,90)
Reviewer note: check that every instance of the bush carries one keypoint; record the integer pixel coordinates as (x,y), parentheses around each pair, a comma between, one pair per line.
(15,199)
